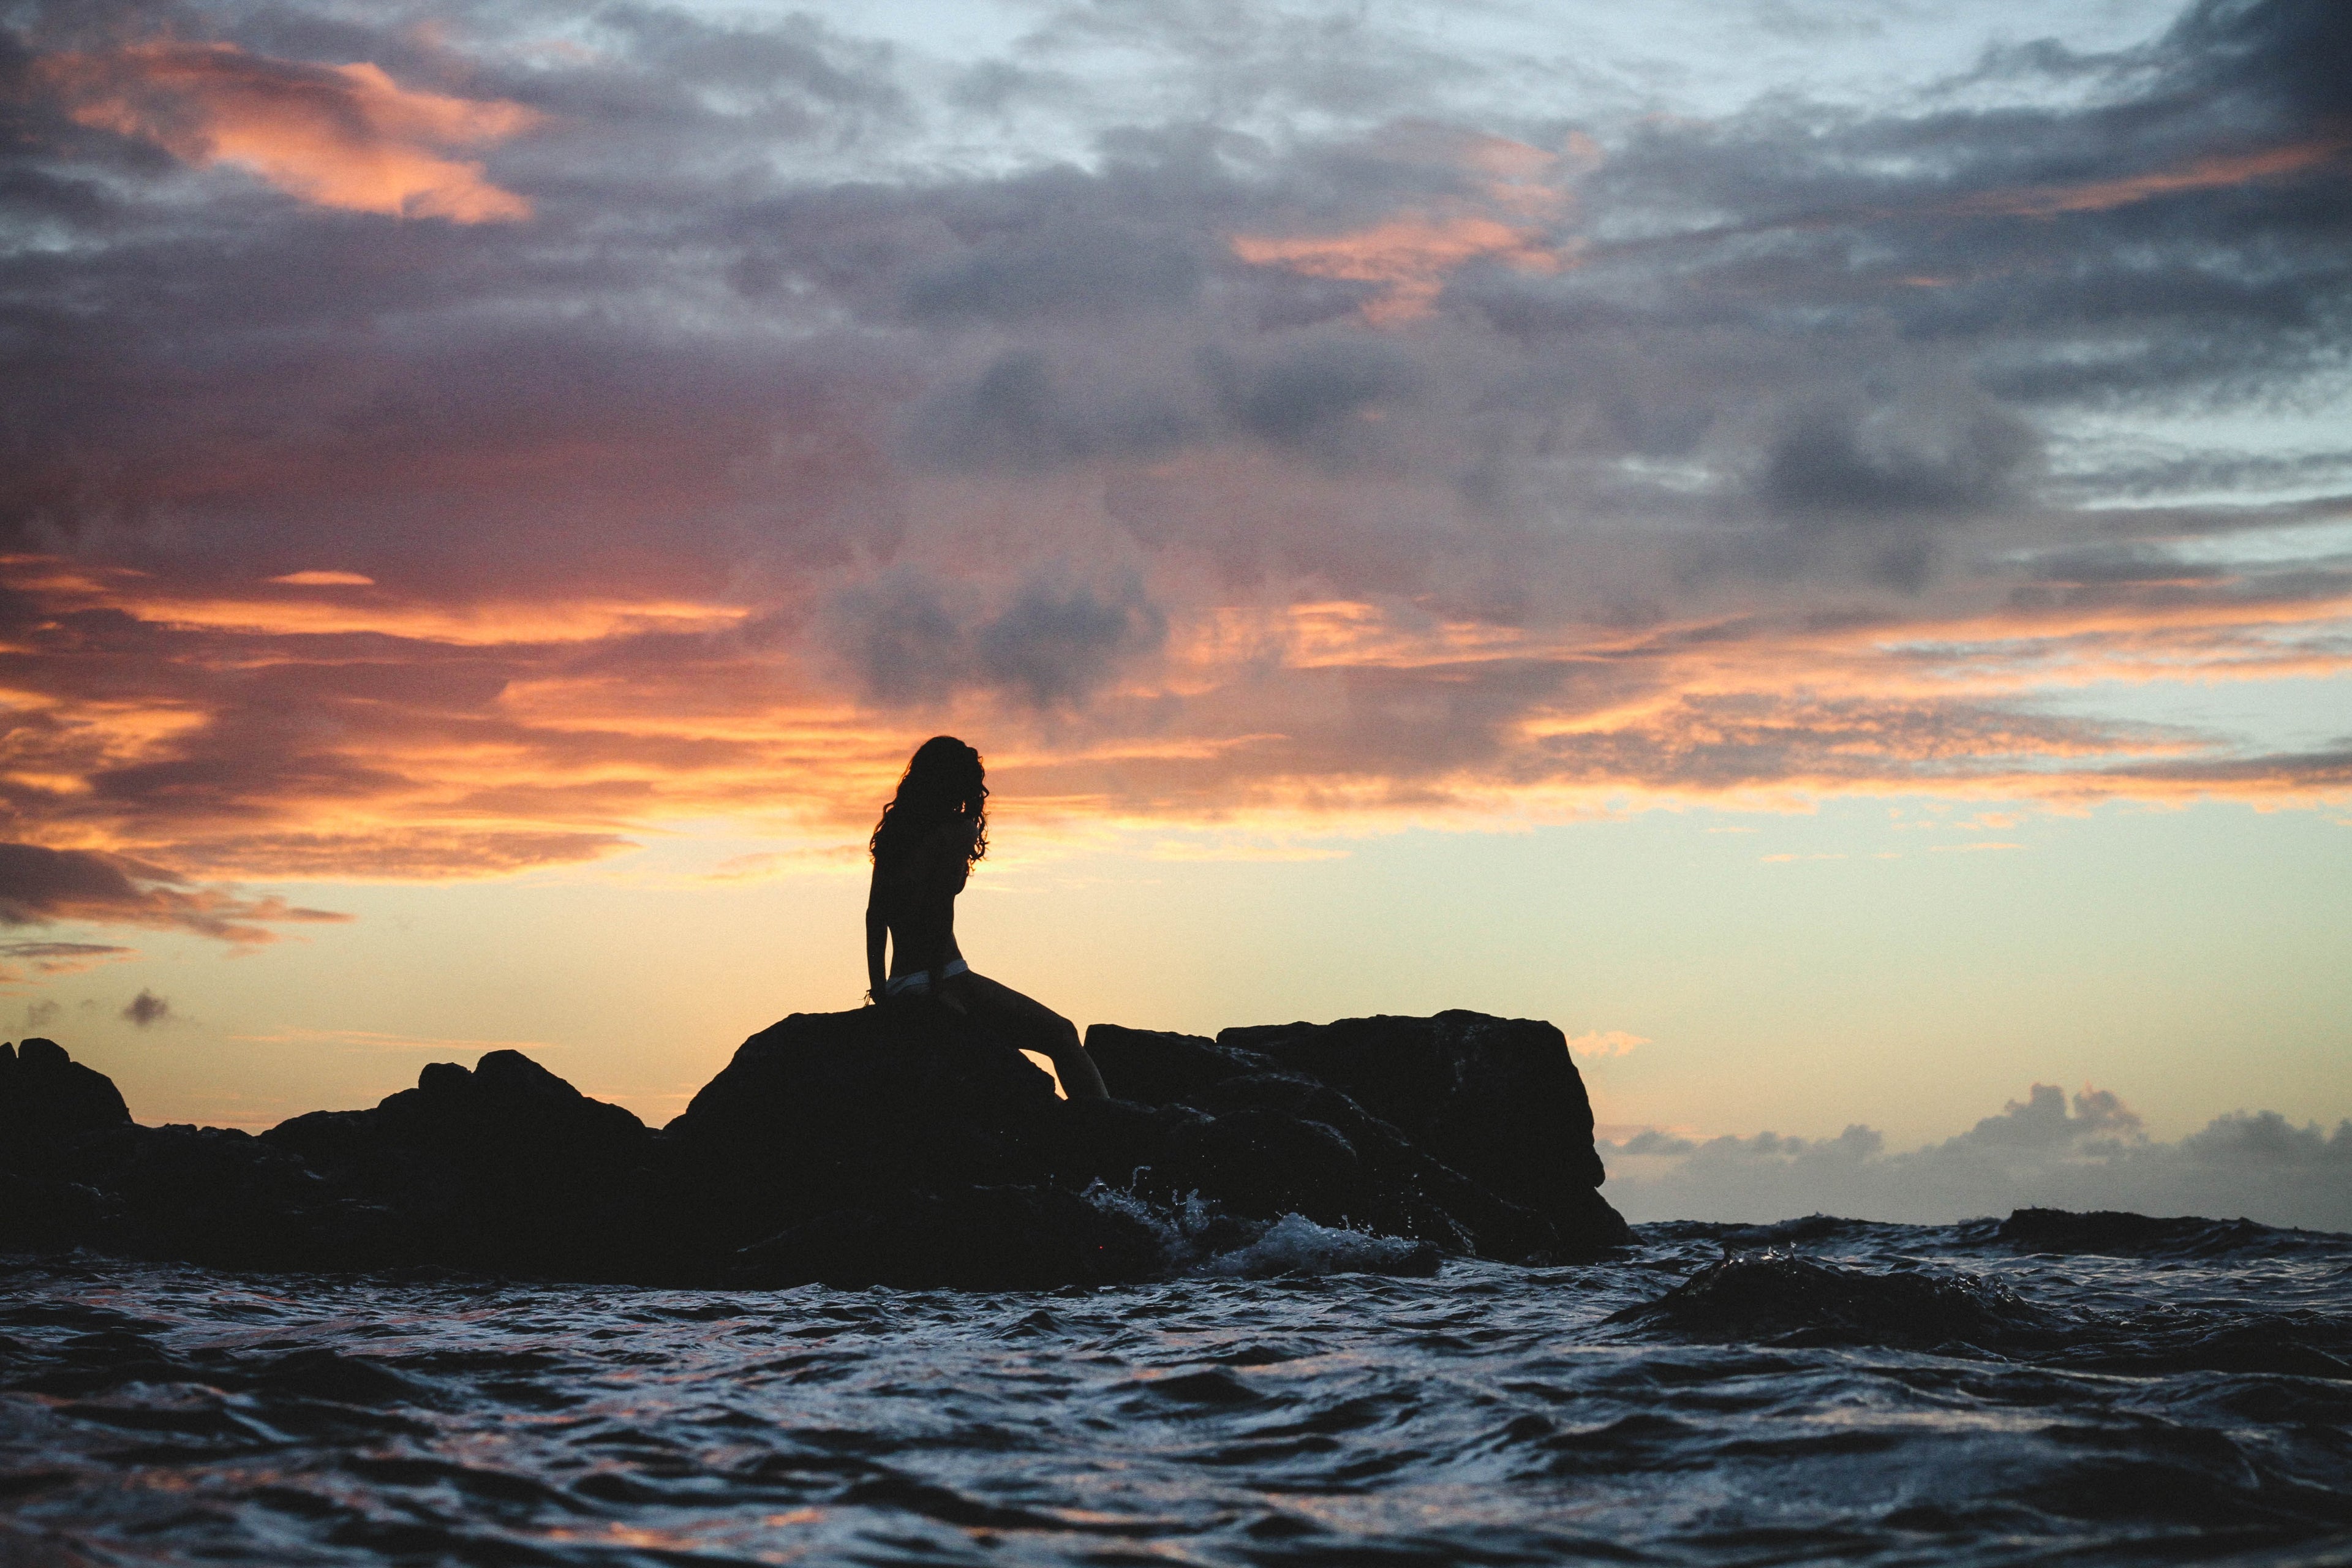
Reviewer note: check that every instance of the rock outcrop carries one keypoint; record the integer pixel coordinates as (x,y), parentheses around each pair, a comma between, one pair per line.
(47,1095)
(899,1145)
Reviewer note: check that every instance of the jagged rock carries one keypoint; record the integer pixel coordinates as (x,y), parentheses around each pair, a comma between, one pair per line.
(1497,1099)
(825,1112)
(905,1145)
(1158,1067)
(215,1195)
(46,1095)
(506,1168)
(1408,1187)
(509,1111)
(1400,1189)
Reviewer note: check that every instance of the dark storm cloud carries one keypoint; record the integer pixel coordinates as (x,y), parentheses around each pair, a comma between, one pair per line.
(900,640)
(2119,564)
(2182,235)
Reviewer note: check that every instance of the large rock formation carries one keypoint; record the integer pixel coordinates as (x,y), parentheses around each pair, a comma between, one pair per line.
(899,1145)
(46,1094)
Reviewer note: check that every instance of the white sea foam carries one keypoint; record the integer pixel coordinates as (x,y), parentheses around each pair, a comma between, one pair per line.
(1296,1245)
(1199,1240)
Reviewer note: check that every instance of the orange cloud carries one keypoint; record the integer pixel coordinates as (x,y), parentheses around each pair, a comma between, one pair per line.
(52,960)
(1412,253)
(342,136)
(416,740)
(1599,1044)
(2218,170)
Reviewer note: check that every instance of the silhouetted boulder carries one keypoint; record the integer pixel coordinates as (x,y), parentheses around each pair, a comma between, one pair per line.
(1156,1067)
(506,1168)
(1495,1099)
(45,1095)
(1475,1132)
(905,1145)
(1400,1189)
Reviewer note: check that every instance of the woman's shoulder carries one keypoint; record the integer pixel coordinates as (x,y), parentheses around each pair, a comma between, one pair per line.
(951,837)
(947,852)
(941,850)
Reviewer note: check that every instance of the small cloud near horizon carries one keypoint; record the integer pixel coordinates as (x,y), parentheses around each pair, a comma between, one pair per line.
(1600,1043)
(146,1009)
(323,580)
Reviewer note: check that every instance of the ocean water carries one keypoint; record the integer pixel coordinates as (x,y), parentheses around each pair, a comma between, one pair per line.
(1818,1391)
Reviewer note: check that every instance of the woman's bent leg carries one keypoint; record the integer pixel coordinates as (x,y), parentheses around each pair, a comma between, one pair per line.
(1038,1028)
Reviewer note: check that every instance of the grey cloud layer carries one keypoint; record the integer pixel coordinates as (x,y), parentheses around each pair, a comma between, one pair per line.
(1848,322)
(965,427)
(2254,1165)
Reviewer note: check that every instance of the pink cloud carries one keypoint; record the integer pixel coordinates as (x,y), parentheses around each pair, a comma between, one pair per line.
(342,136)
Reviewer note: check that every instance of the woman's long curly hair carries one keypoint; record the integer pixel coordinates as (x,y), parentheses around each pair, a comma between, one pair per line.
(944,782)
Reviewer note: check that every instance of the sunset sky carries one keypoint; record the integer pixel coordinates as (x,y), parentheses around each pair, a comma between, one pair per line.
(1807,541)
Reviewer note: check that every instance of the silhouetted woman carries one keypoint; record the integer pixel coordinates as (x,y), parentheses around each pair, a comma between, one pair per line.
(931,834)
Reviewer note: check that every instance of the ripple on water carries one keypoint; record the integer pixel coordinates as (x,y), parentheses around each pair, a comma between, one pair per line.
(1818,1389)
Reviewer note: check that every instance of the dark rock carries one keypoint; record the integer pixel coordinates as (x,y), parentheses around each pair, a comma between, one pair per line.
(828,1111)
(214,1195)
(1156,1067)
(905,1145)
(1408,1192)
(1780,1299)
(44,1213)
(1267,1163)
(2116,1235)
(1497,1099)
(1120,1144)
(505,1169)
(46,1096)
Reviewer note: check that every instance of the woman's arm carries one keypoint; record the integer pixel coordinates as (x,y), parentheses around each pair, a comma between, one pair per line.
(877,930)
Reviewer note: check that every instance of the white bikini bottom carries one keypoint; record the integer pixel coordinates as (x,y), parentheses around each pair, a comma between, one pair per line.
(919,984)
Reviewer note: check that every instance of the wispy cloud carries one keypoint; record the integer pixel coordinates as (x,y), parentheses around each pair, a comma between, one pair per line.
(39,886)
(52,960)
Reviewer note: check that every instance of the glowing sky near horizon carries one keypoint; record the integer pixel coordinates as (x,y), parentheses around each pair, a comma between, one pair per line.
(1809,543)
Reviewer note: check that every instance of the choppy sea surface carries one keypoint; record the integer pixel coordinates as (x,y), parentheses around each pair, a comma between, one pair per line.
(1821,1390)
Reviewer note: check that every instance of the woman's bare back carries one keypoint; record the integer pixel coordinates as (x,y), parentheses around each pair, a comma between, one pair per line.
(913,903)
(915,892)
